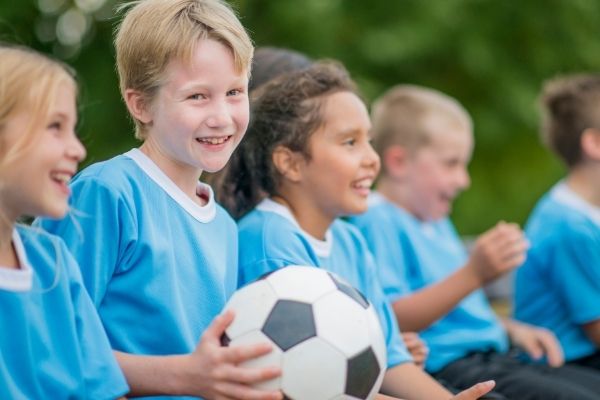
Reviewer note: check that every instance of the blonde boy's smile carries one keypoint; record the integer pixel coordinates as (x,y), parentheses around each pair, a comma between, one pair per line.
(198,116)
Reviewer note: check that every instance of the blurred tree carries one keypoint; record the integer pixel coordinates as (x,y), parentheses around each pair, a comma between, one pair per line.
(490,55)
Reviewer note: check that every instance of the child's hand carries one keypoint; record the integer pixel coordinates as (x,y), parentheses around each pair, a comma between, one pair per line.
(213,371)
(536,342)
(416,347)
(498,251)
(476,391)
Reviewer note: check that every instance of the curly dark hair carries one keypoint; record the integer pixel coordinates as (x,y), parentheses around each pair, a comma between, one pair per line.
(285,112)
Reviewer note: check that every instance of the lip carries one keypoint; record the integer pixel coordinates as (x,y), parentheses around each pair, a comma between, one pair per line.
(364,190)
(215,147)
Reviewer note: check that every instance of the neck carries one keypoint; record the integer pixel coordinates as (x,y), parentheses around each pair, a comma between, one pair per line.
(8,255)
(583,180)
(394,192)
(183,175)
(308,216)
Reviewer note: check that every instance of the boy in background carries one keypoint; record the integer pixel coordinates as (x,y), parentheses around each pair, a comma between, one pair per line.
(559,285)
(425,141)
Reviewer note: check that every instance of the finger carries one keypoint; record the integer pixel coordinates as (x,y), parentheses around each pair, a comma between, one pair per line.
(533,348)
(246,375)
(217,327)
(552,349)
(409,335)
(475,392)
(241,353)
(239,391)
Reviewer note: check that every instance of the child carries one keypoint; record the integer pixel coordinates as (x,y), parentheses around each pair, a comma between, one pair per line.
(158,256)
(558,287)
(308,150)
(52,344)
(425,141)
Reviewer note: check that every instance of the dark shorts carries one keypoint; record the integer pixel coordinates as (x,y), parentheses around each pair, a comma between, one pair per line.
(517,380)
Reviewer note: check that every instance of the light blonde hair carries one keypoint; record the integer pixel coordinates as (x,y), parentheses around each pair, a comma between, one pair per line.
(29,81)
(401,116)
(154,32)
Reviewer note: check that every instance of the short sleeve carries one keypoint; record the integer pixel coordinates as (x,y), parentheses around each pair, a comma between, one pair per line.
(99,231)
(576,272)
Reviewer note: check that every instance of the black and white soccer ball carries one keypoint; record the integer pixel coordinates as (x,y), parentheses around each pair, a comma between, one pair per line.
(326,337)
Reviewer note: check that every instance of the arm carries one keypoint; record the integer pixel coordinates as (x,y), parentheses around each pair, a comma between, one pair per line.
(211,371)
(496,252)
(535,341)
(408,381)
(592,330)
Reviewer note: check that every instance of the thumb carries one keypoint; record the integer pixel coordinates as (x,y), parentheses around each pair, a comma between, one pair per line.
(476,391)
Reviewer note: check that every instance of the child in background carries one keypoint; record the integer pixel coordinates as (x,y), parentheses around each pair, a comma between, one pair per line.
(158,255)
(308,150)
(52,344)
(559,285)
(425,141)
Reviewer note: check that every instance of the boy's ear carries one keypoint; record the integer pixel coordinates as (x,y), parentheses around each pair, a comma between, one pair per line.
(288,163)
(136,104)
(590,143)
(395,161)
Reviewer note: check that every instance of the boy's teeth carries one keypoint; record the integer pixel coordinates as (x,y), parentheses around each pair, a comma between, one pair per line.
(213,140)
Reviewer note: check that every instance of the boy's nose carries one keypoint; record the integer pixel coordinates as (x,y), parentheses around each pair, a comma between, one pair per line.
(372,158)
(464,180)
(219,117)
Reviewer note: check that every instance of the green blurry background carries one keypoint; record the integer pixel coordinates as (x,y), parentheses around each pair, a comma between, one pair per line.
(492,55)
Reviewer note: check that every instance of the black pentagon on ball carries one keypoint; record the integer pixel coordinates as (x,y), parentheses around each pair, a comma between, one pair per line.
(225,340)
(289,323)
(363,370)
(350,291)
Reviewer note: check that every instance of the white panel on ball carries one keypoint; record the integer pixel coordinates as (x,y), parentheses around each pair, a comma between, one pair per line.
(252,305)
(313,370)
(305,284)
(336,315)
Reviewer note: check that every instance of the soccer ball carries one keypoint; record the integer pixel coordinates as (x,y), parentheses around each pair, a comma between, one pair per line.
(325,335)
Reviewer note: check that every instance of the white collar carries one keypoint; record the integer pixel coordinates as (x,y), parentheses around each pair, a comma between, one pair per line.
(563,194)
(204,213)
(17,280)
(322,248)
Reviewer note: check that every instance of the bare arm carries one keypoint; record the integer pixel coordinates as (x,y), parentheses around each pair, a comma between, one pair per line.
(495,252)
(410,382)
(211,371)
(592,330)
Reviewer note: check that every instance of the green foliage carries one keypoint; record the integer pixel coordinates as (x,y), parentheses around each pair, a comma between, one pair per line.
(492,55)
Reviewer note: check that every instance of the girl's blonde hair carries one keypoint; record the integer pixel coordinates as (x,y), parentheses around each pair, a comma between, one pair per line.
(155,32)
(29,82)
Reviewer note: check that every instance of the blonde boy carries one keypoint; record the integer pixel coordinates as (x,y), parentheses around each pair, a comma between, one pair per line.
(158,255)
(558,287)
(425,141)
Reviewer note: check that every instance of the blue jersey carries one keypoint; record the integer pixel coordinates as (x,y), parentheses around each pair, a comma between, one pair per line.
(411,255)
(559,285)
(159,267)
(52,344)
(270,238)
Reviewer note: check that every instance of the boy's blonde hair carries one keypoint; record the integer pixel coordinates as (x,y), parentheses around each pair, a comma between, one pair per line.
(29,82)
(154,32)
(401,116)
(570,104)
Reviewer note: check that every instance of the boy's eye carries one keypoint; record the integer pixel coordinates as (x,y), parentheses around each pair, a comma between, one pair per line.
(234,92)
(197,96)
(350,142)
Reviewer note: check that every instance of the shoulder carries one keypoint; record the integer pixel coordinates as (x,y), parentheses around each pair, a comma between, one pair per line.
(115,174)
(43,249)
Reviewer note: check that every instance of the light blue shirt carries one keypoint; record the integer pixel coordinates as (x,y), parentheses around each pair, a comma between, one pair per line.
(270,238)
(410,255)
(159,267)
(52,344)
(559,286)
